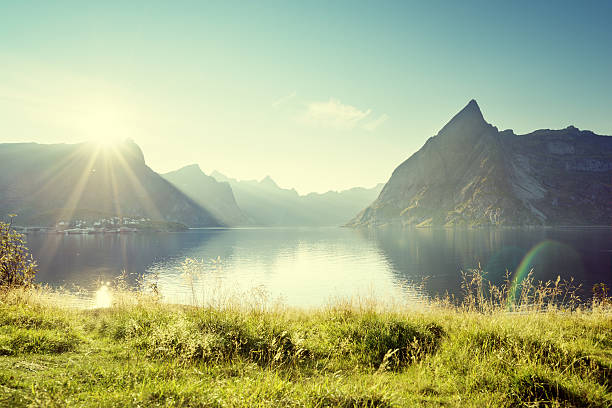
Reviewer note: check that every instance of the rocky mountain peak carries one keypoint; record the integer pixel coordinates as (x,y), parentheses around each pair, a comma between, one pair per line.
(191,169)
(267,181)
(472,106)
(468,120)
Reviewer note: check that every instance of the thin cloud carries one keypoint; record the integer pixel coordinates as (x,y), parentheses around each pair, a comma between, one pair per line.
(284,100)
(372,125)
(333,114)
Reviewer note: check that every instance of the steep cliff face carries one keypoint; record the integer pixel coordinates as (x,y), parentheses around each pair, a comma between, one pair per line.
(472,174)
(216,197)
(63,179)
(563,176)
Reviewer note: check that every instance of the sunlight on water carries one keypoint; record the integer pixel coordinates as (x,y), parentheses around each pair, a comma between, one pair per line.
(306,273)
(103,297)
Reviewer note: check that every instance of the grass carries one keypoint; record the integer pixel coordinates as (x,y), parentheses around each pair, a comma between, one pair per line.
(144,353)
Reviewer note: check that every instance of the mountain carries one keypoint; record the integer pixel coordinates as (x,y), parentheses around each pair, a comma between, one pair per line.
(216,197)
(472,174)
(335,207)
(61,180)
(267,204)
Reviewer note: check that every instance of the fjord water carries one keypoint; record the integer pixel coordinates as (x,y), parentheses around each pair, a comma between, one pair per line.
(311,266)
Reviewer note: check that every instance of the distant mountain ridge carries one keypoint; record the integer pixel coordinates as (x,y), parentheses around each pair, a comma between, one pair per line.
(215,196)
(470,173)
(267,204)
(62,179)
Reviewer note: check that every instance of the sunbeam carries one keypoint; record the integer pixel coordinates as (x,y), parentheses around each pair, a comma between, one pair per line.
(142,195)
(77,191)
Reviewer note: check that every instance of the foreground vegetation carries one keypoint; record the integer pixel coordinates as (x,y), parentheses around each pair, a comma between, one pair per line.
(143,353)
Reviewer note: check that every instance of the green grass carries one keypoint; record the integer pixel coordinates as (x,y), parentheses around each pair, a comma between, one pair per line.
(151,354)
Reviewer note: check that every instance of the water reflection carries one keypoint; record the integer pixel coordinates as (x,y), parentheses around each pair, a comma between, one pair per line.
(83,259)
(311,265)
(441,254)
(305,267)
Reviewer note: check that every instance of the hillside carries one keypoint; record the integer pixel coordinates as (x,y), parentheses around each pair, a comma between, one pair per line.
(470,173)
(37,180)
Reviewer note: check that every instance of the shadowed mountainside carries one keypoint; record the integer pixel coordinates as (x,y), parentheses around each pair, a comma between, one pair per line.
(472,174)
(64,179)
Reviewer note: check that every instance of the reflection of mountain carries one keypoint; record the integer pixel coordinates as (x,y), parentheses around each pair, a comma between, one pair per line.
(471,173)
(217,197)
(441,254)
(255,246)
(268,204)
(81,259)
(428,256)
(61,179)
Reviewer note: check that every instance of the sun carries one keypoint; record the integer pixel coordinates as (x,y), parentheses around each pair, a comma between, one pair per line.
(103,297)
(105,145)
(105,123)
(106,142)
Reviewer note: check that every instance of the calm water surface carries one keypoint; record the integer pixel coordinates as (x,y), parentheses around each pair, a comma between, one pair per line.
(310,266)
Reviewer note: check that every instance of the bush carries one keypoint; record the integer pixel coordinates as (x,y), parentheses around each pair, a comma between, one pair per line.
(208,335)
(17,267)
(15,341)
(384,342)
(532,389)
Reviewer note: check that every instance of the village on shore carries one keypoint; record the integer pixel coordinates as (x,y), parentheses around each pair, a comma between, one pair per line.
(108,225)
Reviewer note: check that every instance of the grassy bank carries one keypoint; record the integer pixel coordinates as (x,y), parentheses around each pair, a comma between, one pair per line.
(142,353)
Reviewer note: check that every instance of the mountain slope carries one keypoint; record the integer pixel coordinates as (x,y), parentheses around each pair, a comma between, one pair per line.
(216,197)
(472,174)
(267,204)
(37,179)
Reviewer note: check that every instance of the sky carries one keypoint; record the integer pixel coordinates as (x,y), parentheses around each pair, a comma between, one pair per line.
(320,95)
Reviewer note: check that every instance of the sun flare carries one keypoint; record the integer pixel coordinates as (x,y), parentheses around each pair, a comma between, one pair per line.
(106,141)
(103,297)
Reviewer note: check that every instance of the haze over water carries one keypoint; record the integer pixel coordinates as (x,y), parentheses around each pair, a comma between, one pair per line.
(311,266)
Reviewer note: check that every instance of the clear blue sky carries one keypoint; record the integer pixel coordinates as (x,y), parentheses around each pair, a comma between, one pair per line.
(319,95)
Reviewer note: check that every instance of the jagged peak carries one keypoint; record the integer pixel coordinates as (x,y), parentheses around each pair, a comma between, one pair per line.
(473,105)
(191,167)
(471,111)
(468,117)
(268,181)
(188,169)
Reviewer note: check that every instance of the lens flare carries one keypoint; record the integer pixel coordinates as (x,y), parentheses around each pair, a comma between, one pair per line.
(547,249)
(104,297)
